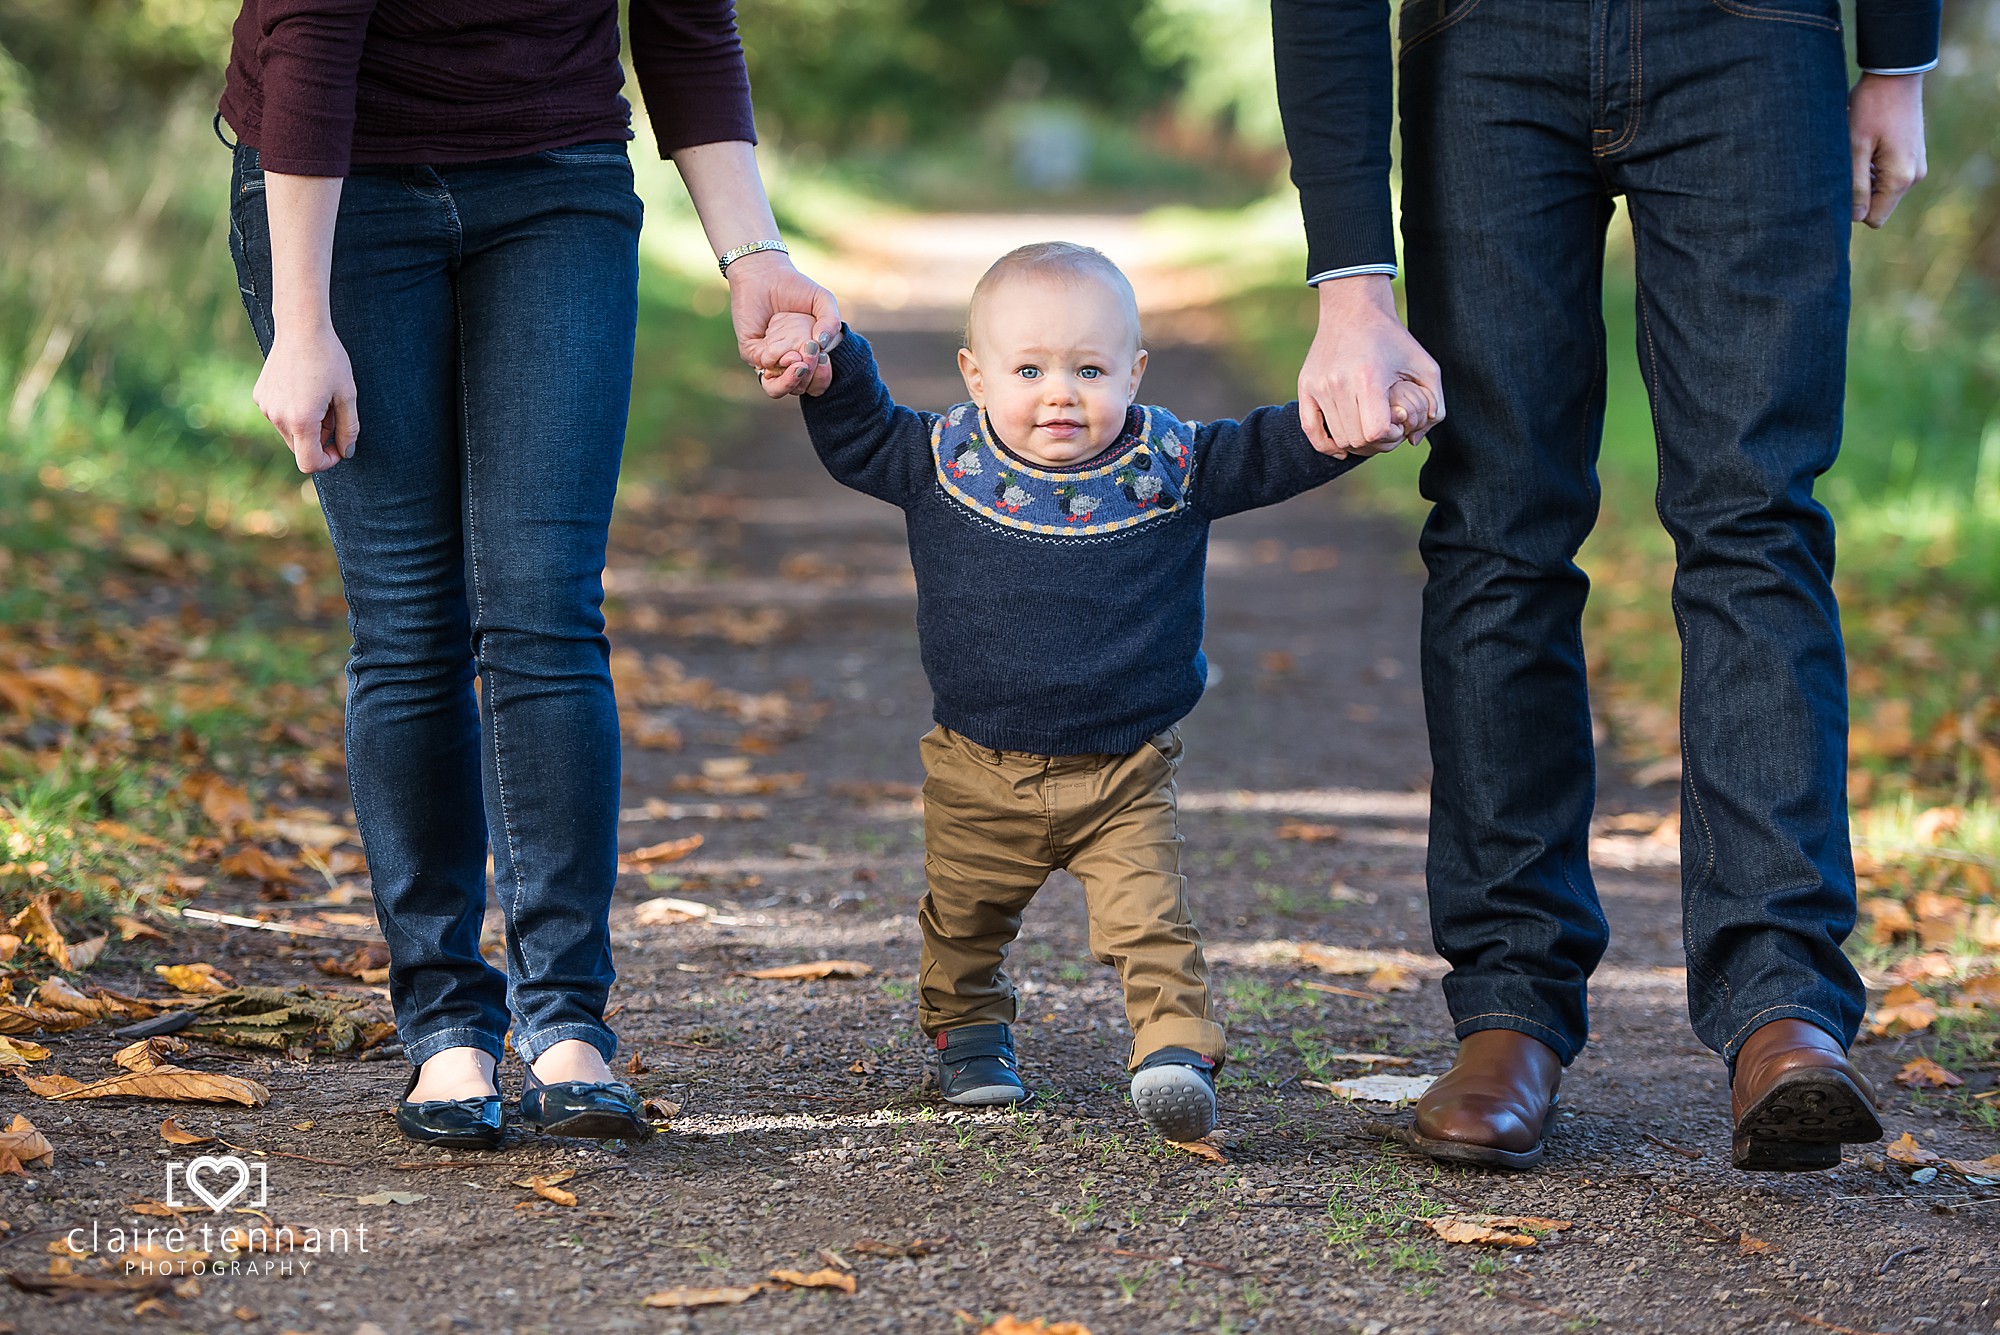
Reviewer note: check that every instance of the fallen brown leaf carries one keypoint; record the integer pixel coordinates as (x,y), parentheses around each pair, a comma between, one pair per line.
(1903,1010)
(818,1279)
(149,1054)
(1390,978)
(200,979)
(37,925)
(254,864)
(25,1143)
(812,970)
(31,1019)
(1923,1073)
(727,1296)
(549,1186)
(49,1086)
(1905,1150)
(174,1133)
(173,1083)
(658,855)
(16,1052)
(1494,1230)
(1013,1325)
(131,929)
(1981,991)
(1206,1148)
(1306,832)
(1989,1167)
(893,1250)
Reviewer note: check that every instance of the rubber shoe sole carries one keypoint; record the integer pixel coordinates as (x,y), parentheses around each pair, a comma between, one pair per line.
(1801,1123)
(987,1096)
(1175,1101)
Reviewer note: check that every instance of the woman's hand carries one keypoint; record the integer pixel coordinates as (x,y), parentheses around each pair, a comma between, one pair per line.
(307,386)
(306,390)
(785,323)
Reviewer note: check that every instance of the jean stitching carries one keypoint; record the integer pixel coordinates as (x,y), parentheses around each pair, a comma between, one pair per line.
(1788,1006)
(1638,85)
(1776,16)
(1436,28)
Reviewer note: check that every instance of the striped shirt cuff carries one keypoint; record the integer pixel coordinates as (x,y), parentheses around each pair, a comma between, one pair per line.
(1914,69)
(1350,272)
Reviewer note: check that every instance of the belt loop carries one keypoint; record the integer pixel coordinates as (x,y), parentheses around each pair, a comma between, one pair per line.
(227,142)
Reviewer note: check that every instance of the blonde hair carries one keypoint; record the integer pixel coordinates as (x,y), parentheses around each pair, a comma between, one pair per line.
(1064,261)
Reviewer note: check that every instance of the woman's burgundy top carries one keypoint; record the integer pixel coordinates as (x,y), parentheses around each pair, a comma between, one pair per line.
(316,85)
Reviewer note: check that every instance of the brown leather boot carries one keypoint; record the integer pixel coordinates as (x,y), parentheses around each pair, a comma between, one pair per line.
(1493,1106)
(1796,1100)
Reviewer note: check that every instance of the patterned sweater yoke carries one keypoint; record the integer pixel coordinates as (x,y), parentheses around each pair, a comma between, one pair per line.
(1146,474)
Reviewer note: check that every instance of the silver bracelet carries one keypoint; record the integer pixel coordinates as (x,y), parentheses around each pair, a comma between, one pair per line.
(729,257)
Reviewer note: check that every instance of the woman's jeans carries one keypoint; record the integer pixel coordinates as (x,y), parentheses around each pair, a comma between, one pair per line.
(1723,123)
(489,312)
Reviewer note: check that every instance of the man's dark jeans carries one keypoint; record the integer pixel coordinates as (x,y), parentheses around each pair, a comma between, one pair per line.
(489,313)
(1723,124)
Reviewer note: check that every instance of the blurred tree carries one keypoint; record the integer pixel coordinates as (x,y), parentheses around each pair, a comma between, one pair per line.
(888,72)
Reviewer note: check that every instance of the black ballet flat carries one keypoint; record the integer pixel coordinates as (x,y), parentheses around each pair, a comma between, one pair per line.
(595,1110)
(473,1124)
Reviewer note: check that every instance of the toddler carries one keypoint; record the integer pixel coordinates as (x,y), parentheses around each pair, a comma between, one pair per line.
(1059,535)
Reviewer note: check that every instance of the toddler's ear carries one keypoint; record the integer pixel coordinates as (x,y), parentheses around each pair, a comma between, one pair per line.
(968,369)
(1138,374)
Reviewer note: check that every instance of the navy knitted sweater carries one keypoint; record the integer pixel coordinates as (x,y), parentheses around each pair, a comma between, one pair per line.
(1059,610)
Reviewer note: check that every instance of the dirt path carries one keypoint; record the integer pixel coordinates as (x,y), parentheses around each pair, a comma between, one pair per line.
(804,1124)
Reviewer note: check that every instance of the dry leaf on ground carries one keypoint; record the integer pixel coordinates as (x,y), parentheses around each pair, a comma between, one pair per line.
(254,864)
(1981,1172)
(1923,1073)
(221,801)
(131,929)
(1206,1148)
(22,1141)
(1903,1010)
(37,925)
(812,970)
(16,1052)
(665,912)
(1013,1325)
(818,1279)
(173,1083)
(549,1187)
(1905,1150)
(388,1197)
(658,855)
(1376,1088)
(1494,1230)
(32,1019)
(893,1250)
(727,1296)
(1309,833)
(101,1003)
(1981,991)
(149,1054)
(1390,978)
(174,1133)
(201,979)
(48,1086)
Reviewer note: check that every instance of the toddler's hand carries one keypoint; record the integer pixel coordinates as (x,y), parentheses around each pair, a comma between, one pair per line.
(1409,402)
(804,367)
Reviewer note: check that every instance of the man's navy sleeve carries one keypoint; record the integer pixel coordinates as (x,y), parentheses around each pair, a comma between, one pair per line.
(1896,36)
(1334,81)
(864,437)
(1261,460)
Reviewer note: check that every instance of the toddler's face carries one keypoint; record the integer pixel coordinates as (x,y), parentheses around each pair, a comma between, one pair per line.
(1055,364)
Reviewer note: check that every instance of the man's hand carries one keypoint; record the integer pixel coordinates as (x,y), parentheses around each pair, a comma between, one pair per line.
(306,390)
(1885,133)
(790,354)
(1360,353)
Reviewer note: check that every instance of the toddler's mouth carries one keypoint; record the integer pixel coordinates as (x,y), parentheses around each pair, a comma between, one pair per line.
(1060,427)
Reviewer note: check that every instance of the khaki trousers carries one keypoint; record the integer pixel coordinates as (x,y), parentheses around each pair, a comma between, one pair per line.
(996,823)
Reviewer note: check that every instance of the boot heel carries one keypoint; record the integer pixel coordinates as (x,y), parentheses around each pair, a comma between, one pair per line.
(1767,1154)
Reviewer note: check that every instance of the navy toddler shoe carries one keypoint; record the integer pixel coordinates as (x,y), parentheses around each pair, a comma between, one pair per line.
(1174,1090)
(599,1110)
(976,1066)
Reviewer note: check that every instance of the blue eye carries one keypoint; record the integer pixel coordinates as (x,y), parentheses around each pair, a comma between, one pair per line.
(1090,373)
(1029,372)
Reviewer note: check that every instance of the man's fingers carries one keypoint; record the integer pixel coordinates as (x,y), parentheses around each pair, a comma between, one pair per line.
(1314,423)
(1861,154)
(346,425)
(1894,175)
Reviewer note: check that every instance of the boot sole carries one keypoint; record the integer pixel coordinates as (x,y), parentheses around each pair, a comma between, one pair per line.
(1467,1153)
(1174,1101)
(1801,1122)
